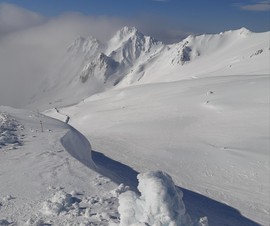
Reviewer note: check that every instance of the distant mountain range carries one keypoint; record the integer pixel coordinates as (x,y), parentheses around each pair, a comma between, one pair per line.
(130,57)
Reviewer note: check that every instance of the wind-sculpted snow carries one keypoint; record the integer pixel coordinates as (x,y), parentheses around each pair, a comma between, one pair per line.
(9,129)
(160,203)
(78,147)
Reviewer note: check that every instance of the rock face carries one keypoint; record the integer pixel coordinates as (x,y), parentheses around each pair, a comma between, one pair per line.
(125,49)
(102,67)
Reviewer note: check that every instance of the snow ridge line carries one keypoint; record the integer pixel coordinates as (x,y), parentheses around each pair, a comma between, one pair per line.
(78,147)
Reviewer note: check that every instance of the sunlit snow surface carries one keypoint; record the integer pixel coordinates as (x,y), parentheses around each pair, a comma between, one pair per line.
(130,58)
(211,135)
(197,110)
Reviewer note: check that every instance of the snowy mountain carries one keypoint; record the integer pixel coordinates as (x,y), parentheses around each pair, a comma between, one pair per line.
(197,110)
(90,66)
(130,57)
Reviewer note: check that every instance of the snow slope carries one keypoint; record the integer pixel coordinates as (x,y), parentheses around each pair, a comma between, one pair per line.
(210,134)
(237,52)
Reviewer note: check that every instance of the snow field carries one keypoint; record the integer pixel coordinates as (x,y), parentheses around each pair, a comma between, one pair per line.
(209,134)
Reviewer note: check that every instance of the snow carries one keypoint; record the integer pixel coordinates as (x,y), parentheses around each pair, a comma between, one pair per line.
(160,203)
(197,110)
(41,183)
(8,135)
(52,186)
(131,58)
(210,134)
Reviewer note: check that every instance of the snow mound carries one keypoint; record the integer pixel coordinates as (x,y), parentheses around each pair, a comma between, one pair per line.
(9,128)
(160,203)
(60,202)
(4,223)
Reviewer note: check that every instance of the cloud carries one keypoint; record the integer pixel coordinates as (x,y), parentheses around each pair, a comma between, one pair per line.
(14,18)
(28,52)
(259,6)
(31,44)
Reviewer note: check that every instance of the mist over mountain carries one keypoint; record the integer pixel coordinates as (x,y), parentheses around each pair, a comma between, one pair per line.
(90,66)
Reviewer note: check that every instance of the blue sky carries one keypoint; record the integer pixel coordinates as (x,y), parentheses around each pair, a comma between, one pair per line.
(194,16)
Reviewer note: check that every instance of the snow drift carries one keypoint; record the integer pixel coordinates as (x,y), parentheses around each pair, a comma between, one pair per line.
(78,147)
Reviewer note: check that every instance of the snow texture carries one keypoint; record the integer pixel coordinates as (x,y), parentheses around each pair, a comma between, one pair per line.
(9,127)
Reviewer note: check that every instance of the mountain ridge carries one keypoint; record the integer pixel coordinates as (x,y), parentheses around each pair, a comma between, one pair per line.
(129,57)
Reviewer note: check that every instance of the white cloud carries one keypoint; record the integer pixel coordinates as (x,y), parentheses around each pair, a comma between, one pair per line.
(14,18)
(27,54)
(30,43)
(260,6)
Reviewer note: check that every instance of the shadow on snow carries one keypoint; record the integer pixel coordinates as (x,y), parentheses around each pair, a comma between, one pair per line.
(197,205)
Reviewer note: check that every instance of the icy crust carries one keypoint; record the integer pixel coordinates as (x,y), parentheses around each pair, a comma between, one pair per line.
(160,203)
(9,127)
(75,208)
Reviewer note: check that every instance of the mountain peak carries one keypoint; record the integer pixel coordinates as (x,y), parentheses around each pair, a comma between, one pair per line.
(124,34)
(127,31)
(244,31)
